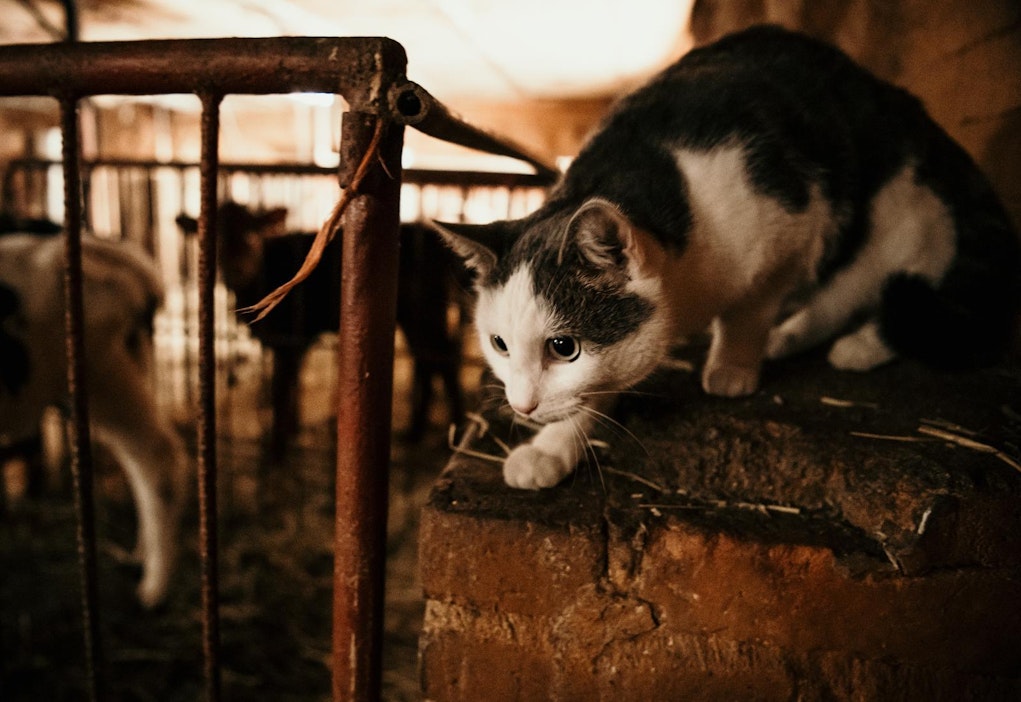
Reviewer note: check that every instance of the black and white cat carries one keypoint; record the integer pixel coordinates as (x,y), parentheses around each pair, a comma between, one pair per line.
(765,187)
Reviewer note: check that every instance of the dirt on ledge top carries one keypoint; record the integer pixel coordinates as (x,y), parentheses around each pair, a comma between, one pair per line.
(903,465)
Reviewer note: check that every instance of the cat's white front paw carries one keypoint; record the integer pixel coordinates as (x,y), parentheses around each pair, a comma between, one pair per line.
(730,381)
(530,468)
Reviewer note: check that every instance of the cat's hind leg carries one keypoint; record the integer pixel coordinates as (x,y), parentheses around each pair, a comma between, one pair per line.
(910,231)
(824,316)
(861,350)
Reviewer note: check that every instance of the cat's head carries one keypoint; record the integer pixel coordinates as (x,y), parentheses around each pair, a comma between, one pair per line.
(569,304)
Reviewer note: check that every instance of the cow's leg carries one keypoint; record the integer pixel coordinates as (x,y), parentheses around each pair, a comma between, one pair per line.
(284,396)
(126,419)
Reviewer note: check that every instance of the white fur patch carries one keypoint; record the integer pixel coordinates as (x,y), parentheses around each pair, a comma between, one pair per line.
(910,231)
(743,233)
(534,385)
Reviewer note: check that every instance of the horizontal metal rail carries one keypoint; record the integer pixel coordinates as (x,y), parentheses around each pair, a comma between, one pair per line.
(361,69)
(413,176)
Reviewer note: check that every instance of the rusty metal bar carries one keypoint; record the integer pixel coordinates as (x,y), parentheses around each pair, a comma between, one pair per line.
(259,66)
(413,176)
(208,550)
(413,105)
(367,318)
(81,454)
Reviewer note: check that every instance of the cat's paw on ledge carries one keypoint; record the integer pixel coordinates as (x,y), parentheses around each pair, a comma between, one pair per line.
(530,468)
(730,381)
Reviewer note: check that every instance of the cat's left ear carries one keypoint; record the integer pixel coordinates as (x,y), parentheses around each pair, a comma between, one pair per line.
(480,245)
(608,239)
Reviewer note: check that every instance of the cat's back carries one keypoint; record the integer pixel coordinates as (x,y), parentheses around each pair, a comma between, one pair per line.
(765,77)
(800,111)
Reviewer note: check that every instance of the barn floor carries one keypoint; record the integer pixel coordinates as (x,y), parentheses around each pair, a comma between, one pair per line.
(275,573)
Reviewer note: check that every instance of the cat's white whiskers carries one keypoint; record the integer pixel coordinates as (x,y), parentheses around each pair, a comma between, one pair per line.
(612,424)
(631,392)
(588,451)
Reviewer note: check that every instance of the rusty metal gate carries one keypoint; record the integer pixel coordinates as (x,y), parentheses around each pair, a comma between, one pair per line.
(369,73)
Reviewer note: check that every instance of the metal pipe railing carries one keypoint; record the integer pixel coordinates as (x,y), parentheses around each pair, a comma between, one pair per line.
(208,552)
(361,69)
(414,176)
(368,300)
(80,438)
(370,74)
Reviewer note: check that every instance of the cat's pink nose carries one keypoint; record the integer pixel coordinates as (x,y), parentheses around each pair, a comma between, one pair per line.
(524,408)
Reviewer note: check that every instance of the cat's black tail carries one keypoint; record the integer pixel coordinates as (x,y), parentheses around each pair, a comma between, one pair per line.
(969,319)
(940,329)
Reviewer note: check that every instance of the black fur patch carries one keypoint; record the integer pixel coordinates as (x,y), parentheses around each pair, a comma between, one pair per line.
(585,303)
(804,112)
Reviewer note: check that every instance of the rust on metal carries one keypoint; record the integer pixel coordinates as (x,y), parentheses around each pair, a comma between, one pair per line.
(357,68)
(80,436)
(411,104)
(208,551)
(367,318)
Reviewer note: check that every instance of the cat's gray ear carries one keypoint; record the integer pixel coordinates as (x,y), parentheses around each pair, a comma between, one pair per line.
(606,237)
(478,244)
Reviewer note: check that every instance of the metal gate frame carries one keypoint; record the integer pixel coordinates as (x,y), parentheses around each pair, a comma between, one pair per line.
(369,73)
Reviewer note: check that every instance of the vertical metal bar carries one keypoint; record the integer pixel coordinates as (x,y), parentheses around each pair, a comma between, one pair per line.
(81,456)
(207,396)
(71,20)
(368,310)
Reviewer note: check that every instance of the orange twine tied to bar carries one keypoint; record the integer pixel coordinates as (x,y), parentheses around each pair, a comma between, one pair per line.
(325,234)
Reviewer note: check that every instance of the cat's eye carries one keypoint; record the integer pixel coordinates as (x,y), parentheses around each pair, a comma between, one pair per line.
(499,344)
(564,348)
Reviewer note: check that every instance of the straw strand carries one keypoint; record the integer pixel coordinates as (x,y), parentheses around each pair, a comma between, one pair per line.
(325,234)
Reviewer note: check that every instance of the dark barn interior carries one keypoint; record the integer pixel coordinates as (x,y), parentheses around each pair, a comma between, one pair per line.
(834,536)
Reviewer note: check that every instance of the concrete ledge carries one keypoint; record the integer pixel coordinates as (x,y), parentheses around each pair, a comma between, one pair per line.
(751,549)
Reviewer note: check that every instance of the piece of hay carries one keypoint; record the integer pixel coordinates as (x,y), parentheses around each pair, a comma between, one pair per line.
(890,437)
(846,404)
(968,443)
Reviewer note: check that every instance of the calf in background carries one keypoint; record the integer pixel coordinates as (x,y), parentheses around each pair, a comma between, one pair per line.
(121,291)
(257,254)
